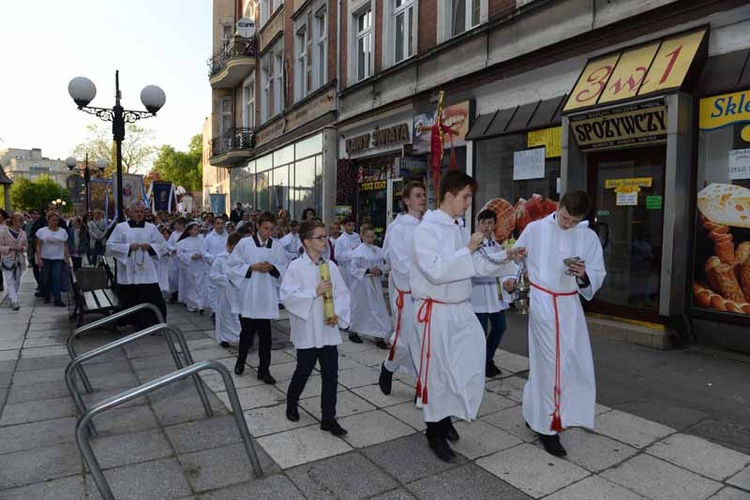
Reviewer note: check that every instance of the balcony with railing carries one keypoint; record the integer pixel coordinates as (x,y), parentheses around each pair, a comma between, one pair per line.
(232,147)
(232,63)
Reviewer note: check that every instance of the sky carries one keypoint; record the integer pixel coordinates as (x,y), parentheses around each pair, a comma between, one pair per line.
(46,43)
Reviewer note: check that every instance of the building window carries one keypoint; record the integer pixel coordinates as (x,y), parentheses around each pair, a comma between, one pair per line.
(265,12)
(365,46)
(403,22)
(302,65)
(248,102)
(465,14)
(320,56)
(277,77)
(265,83)
(225,121)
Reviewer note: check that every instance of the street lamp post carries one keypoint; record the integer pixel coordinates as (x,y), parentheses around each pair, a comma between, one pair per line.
(83,91)
(101,164)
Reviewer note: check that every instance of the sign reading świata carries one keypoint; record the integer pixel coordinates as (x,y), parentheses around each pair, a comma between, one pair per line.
(637,124)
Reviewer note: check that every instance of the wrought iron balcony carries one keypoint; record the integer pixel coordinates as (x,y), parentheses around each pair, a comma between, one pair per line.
(234,62)
(231,147)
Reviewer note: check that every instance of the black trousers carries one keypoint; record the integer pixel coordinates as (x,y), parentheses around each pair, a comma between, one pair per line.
(250,327)
(329,368)
(132,295)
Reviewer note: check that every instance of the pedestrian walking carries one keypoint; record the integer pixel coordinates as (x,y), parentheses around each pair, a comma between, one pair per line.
(226,296)
(565,261)
(13,246)
(193,287)
(51,255)
(315,333)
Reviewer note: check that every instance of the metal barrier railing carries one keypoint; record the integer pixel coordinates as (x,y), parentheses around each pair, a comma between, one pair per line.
(171,334)
(104,322)
(82,437)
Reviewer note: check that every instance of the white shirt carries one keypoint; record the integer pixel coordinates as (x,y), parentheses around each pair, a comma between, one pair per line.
(213,245)
(308,328)
(487,293)
(136,267)
(53,243)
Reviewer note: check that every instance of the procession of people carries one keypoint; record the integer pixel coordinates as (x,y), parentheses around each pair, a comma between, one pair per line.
(440,323)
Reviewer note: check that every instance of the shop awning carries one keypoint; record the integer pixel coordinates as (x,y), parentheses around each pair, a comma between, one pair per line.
(725,73)
(664,65)
(537,115)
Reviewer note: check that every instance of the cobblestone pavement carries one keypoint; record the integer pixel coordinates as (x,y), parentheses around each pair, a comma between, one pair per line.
(163,446)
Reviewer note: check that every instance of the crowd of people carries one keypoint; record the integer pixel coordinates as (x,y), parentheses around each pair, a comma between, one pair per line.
(448,293)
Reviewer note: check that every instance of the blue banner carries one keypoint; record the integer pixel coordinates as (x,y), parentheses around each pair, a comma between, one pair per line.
(218,203)
(162,195)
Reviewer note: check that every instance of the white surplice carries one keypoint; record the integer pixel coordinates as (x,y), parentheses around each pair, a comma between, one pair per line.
(345,245)
(369,310)
(226,299)
(174,262)
(292,245)
(548,244)
(487,293)
(259,297)
(306,319)
(136,267)
(442,268)
(213,245)
(193,286)
(397,252)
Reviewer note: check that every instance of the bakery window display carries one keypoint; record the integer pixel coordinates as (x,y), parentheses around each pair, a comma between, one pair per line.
(722,279)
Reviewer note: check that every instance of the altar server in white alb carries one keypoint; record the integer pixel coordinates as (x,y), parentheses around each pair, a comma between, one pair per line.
(369,311)
(164,264)
(175,274)
(491,296)
(291,241)
(565,262)
(345,245)
(226,297)
(255,267)
(214,243)
(137,246)
(194,284)
(314,334)
(450,381)
(404,353)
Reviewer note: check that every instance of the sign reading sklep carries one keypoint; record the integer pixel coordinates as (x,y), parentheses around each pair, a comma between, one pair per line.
(643,123)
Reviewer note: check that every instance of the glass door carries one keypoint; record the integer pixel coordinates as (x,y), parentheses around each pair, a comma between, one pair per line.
(628,193)
(395,186)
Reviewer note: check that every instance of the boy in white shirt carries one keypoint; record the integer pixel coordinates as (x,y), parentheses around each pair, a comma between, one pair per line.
(314,336)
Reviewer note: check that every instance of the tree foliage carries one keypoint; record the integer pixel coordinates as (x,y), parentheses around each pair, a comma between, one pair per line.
(183,168)
(27,195)
(138,150)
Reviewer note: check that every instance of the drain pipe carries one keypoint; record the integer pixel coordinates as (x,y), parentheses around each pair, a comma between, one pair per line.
(338,56)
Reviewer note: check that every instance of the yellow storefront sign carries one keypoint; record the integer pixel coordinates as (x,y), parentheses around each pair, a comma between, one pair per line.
(722,110)
(550,138)
(632,185)
(656,67)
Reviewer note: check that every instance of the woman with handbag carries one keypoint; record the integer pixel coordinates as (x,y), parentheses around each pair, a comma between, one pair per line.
(52,254)
(12,251)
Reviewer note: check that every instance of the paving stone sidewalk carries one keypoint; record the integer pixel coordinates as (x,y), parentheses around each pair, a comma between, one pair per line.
(163,446)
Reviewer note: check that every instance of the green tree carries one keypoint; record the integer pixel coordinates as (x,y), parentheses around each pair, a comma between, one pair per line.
(27,195)
(138,150)
(182,168)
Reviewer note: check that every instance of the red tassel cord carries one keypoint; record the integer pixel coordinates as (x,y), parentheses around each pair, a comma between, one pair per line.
(399,308)
(424,315)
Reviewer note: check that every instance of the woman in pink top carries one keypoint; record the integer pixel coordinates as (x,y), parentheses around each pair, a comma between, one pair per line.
(12,251)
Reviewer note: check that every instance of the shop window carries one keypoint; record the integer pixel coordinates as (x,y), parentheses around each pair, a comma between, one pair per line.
(304,186)
(721,274)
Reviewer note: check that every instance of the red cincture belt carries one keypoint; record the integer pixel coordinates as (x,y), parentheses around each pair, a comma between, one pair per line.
(399,308)
(424,315)
(556,420)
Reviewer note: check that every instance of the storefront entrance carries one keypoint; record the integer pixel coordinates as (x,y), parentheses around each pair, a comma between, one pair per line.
(627,187)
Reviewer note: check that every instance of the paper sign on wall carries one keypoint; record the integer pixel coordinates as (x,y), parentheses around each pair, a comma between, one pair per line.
(739,164)
(627,199)
(528,164)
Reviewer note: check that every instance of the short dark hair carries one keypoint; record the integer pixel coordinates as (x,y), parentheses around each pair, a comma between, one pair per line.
(348,219)
(243,230)
(487,214)
(577,203)
(408,188)
(366,227)
(308,227)
(266,217)
(308,210)
(233,239)
(293,224)
(453,182)
(220,217)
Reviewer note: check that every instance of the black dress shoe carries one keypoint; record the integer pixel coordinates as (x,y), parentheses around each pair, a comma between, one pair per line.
(292,412)
(355,338)
(39,294)
(224,343)
(441,449)
(451,434)
(266,377)
(333,427)
(552,445)
(60,303)
(239,368)
(47,300)
(382,344)
(492,371)
(386,380)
